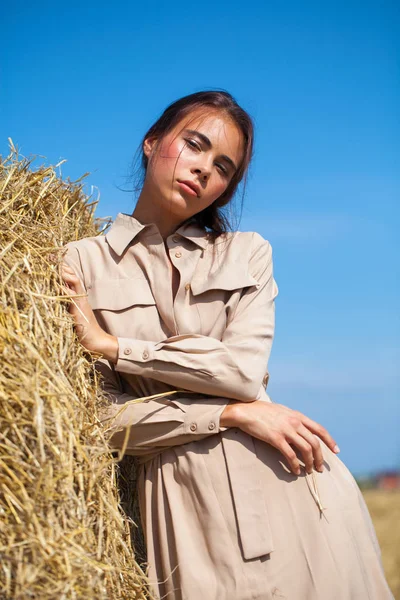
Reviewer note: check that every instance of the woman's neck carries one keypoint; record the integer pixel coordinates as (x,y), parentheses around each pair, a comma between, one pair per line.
(147,211)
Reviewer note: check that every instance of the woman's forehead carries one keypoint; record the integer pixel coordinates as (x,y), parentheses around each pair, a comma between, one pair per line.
(216,125)
(206,118)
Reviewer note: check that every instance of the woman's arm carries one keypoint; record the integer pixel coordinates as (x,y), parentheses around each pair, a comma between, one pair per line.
(162,423)
(159,423)
(273,423)
(233,367)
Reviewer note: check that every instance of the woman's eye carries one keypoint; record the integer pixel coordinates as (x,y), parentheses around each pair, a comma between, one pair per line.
(192,143)
(222,168)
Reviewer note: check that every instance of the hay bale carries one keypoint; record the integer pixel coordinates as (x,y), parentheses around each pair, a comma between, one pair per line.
(63,533)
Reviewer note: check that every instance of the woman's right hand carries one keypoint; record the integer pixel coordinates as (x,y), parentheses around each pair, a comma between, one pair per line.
(282,428)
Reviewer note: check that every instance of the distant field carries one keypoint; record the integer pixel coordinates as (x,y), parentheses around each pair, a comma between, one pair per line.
(384,508)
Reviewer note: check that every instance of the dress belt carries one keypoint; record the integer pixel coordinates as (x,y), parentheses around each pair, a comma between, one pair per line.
(248,495)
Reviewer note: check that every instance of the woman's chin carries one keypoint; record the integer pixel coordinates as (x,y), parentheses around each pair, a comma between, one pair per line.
(177,204)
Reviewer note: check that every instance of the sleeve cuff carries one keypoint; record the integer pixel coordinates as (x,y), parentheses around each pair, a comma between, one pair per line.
(199,420)
(132,351)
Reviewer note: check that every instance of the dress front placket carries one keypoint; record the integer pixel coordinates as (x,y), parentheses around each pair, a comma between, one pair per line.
(160,280)
(185,260)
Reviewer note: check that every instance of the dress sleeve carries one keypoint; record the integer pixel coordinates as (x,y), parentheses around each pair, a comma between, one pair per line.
(161,423)
(233,367)
(72,258)
(143,427)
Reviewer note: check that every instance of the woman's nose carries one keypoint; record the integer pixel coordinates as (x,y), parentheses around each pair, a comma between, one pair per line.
(203,172)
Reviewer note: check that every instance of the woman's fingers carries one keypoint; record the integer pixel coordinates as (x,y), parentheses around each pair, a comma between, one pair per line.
(284,447)
(321,432)
(305,449)
(314,450)
(71,279)
(304,437)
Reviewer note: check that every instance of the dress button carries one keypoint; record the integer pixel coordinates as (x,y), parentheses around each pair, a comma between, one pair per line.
(145,354)
(178,254)
(193,427)
(187,286)
(211,426)
(128,351)
(175,239)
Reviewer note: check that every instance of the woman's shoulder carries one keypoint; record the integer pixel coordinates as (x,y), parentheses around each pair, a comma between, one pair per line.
(87,255)
(87,249)
(239,255)
(86,242)
(243,235)
(243,243)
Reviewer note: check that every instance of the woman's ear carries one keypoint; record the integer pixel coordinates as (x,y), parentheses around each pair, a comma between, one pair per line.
(149,145)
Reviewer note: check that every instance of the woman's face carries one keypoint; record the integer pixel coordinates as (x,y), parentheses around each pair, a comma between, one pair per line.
(193,164)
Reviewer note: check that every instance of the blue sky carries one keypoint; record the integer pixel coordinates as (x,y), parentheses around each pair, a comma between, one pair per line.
(84,81)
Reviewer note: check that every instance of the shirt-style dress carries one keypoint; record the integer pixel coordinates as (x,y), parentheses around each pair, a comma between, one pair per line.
(223,517)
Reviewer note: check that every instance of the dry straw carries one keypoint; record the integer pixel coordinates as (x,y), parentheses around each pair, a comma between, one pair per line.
(63,533)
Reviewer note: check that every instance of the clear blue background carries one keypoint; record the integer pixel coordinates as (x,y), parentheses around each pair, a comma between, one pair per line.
(83,81)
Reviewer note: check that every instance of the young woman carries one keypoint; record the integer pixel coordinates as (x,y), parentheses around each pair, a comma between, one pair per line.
(241,498)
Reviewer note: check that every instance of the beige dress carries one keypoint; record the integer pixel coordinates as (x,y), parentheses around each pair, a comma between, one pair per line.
(224,519)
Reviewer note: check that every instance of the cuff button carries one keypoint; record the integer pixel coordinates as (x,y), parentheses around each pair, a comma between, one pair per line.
(127,351)
(145,354)
(193,427)
(211,426)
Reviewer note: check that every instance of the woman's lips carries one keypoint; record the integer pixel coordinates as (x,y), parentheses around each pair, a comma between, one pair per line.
(187,188)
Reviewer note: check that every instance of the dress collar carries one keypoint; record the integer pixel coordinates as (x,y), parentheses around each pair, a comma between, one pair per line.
(126,227)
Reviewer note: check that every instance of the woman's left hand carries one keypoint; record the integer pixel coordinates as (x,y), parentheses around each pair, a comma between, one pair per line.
(89,332)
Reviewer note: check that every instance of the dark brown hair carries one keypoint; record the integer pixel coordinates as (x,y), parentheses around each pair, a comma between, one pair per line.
(212,217)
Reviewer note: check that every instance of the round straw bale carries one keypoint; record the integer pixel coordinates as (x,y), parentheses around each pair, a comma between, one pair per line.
(63,533)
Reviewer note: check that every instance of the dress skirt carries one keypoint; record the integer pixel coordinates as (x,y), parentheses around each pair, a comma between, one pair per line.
(323,543)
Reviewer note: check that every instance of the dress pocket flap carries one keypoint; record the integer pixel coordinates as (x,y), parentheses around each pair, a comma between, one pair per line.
(227,280)
(119,294)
